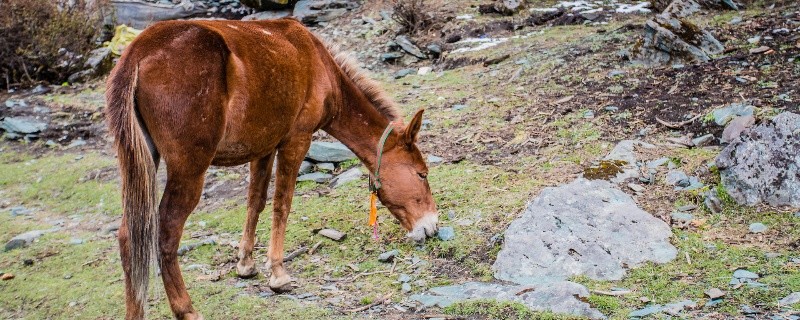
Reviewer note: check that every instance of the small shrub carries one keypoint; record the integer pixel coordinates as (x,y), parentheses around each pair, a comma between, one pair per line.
(412,15)
(46,40)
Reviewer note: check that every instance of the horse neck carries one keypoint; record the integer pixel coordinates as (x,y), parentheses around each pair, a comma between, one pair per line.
(357,124)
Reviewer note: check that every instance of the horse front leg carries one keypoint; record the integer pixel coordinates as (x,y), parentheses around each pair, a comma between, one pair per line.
(290,155)
(260,173)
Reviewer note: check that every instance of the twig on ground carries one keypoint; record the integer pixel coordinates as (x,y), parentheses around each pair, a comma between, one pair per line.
(377,302)
(295,254)
(678,125)
(612,293)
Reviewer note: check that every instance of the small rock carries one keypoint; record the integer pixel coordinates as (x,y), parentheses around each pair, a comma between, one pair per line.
(240,284)
(688,207)
(589,114)
(388,256)
(645,311)
(24,239)
(757,227)
(434,48)
(332,234)
(754,40)
(424,70)
(305,167)
(75,241)
(735,128)
(404,72)
(317,177)
(714,293)
(409,47)
(406,287)
(434,159)
(713,302)
(403,278)
(446,233)
(760,49)
(353,174)
(326,167)
(677,178)
(658,162)
(791,299)
(22,125)
(20,211)
(636,187)
(724,115)
(391,56)
(712,202)
(703,141)
(682,216)
(191,246)
(459,107)
(615,73)
(675,309)
(611,108)
(744,274)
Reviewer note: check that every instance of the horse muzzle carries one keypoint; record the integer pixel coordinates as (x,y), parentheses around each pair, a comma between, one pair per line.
(425,227)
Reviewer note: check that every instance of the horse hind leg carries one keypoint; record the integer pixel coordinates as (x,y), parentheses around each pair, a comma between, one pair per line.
(260,173)
(181,195)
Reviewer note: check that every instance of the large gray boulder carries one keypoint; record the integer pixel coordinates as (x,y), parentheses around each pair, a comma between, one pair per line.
(139,14)
(321,151)
(762,164)
(582,228)
(316,11)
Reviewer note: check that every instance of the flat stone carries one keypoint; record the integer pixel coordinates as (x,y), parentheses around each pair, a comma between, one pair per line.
(658,162)
(582,228)
(404,72)
(791,299)
(409,47)
(757,227)
(674,309)
(724,115)
(406,287)
(321,151)
(24,239)
(332,234)
(267,15)
(714,293)
(352,174)
(305,167)
(22,125)
(761,166)
(403,278)
(391,56)
(388,256)
(703,140)
(636,187)
(760,49)
(645,311)
(744,274)
(317,177)
(326,167)
(561,297)
(446,233)
(682,216)
(434,159)
(677,178)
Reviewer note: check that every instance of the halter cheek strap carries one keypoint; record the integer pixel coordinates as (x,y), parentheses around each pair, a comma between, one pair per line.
(375,184)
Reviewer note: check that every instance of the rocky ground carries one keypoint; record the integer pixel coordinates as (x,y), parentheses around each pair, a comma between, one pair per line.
(520,109)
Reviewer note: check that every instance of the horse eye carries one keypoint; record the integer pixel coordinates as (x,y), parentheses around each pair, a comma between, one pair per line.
(423,176)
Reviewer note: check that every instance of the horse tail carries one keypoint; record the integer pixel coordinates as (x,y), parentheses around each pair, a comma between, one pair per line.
(136,155)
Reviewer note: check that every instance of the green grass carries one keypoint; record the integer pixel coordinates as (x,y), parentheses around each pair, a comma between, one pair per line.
(490,309)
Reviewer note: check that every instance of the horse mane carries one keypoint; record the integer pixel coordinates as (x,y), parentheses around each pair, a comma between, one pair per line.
(371,88)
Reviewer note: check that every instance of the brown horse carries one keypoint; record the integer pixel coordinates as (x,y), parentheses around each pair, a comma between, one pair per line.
(202,93)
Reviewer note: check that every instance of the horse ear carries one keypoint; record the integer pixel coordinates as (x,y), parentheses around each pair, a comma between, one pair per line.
(410,134)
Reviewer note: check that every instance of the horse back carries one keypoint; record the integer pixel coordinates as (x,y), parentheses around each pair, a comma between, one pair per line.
(234,88)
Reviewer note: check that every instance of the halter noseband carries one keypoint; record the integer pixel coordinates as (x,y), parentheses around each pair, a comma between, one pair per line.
(375,184)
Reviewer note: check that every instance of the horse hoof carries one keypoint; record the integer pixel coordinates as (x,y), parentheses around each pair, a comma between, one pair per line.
(246,271)
(280,285)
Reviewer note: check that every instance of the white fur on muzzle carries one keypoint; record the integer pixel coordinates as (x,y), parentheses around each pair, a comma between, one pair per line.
(424,227)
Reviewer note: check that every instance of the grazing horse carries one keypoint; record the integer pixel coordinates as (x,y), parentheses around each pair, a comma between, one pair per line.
(202,93)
